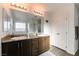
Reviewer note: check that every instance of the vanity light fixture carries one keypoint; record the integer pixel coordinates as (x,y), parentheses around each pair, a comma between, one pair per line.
(12,4)
(19,6)
(37,12)
(24,8)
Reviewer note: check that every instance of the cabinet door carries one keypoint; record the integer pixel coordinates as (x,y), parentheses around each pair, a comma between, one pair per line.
(26,48)
(41,45)
(13,49)
(34,47)
(47,43)
(4,49)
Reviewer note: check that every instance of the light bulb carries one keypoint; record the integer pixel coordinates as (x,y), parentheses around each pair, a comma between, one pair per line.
(17,5)
(24,7)
(13,4)
(21,6)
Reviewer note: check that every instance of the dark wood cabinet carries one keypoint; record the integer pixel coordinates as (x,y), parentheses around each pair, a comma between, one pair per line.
(4,49)
(13,48)
(17,48)
(10,49)
(35,47)
(43,44)
(47,43)
(28,47)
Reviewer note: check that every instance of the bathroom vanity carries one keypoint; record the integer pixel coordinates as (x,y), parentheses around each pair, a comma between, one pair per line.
(20,25)
(25,46)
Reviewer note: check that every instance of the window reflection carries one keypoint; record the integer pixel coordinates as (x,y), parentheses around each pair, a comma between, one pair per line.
(6,26)
(20,26)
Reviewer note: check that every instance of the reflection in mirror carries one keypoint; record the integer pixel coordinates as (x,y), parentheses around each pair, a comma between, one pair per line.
(6,21)
(23,23)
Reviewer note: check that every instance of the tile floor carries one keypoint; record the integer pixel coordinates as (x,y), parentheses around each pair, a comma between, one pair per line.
(54,51)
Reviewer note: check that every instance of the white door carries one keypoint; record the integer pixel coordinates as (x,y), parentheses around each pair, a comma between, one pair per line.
(59,33)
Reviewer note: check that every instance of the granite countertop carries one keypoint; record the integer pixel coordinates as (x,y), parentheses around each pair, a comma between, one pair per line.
(8,39)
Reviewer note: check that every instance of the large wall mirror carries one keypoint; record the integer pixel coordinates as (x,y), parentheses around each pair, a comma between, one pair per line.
(6,21)
(23,23)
